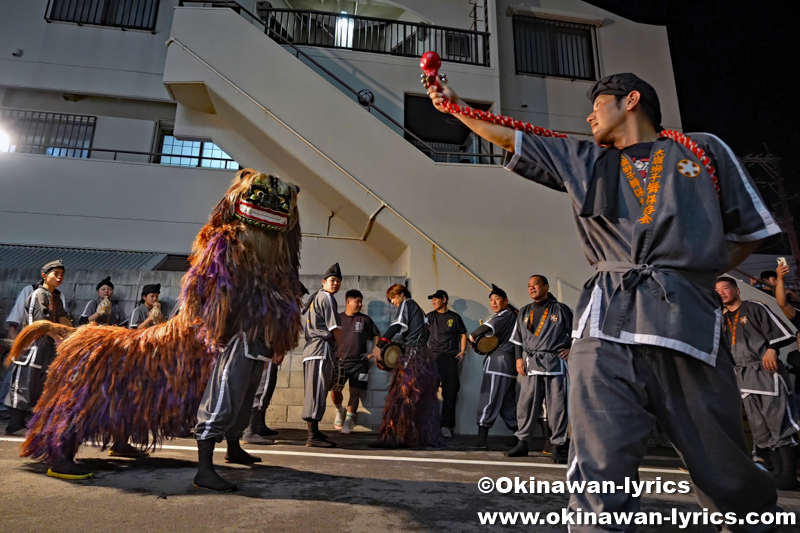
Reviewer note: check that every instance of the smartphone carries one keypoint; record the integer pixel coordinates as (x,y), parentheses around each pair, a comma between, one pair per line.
(782,261)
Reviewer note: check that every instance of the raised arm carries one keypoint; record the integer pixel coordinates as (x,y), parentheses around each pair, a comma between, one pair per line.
(502,136)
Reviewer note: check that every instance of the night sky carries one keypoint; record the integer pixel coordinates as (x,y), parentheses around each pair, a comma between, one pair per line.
(735,67)
(736,71)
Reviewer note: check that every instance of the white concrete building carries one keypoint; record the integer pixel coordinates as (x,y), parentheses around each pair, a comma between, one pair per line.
(100,97)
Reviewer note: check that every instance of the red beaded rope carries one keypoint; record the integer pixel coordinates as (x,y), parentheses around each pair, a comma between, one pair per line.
(431,62)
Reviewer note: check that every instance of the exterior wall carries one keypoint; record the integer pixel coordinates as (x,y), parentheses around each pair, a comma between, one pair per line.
(138,207)
(561,104)
(82,59)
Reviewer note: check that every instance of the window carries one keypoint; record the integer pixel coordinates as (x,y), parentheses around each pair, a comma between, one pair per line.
(457,46)
(194,154)
(126,14)
(56,134)
(554,48)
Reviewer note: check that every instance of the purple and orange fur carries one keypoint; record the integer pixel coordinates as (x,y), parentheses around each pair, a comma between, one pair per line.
(109,383)
(411,415)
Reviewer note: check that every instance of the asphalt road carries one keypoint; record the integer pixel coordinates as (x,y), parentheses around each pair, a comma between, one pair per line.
(352,488)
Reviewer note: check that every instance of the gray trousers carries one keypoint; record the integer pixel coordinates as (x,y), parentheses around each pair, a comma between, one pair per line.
(550,391)
(224,411)
(318,374)
(28,374)
(266,386)
(773,419)
(498,397)
(619,391)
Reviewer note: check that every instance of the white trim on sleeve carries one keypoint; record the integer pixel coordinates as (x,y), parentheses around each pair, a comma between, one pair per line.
(517,151)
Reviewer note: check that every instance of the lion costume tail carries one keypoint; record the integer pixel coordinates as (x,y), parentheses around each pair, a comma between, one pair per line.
(34,332)
(109,383)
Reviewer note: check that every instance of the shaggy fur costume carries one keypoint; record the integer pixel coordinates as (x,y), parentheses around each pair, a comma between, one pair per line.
(411,415)
(110,383)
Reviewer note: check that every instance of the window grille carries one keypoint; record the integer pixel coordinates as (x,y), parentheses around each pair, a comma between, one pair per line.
(554,48)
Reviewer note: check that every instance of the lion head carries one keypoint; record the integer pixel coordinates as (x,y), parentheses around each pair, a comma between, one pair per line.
(244,265)
(260,200)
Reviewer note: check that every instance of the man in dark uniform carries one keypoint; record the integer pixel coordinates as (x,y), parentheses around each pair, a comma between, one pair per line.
(754,336)
(499,385)
(357,330)
(448,343)
(648,322)
(29,372)
(542,339)
(323,331)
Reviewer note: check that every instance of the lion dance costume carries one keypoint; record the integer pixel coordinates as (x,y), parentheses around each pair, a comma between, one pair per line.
(239,303)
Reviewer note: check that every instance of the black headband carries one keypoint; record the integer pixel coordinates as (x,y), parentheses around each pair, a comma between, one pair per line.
(623,84)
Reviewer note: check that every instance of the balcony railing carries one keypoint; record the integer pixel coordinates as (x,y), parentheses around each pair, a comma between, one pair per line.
(131,14)
(380,36)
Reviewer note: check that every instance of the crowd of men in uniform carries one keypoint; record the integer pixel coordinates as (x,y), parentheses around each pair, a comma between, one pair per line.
(532,342)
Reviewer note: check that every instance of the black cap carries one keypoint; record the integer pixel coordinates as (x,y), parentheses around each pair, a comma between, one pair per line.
(149,289)
(333,272)
(106,281)
(623,84)
(498,291)
(439,294)
(52,265)
(303,290)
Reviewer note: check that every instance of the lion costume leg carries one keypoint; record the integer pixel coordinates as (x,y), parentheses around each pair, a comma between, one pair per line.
(224,411)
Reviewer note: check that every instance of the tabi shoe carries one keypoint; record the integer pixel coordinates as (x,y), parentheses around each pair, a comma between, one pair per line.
(65,468)
(123,449)
(338,422)
(786,468)
(16,421)
(347,428)
(561,454)
(251,437)
(447,433)
(483,438)
(316,438)
(207,477)
(520,450)
(235,454)
(259,425)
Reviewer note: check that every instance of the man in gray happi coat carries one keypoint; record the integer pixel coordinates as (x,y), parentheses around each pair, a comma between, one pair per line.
(499,386)
(648,323)
(322,328)
(754,336)
(542,339)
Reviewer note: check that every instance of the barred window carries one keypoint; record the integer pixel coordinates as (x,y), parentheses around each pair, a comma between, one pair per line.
(554,48)
(457,46)
(57,134)
(126,14)
(194,154)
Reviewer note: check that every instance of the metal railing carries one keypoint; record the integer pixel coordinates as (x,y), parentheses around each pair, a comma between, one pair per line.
(41,132)
(139,157)
(126,15)
(379,36)
(554,48)
(412,137)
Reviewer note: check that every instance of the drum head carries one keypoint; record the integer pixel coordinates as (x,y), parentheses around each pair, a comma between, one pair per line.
(486,345)
(391,354)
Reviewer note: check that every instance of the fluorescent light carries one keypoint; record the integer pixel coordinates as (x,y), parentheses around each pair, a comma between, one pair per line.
(5,141)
